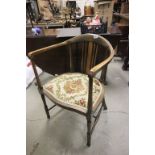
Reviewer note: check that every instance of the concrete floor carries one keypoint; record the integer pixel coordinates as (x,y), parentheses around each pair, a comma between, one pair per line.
(65,132)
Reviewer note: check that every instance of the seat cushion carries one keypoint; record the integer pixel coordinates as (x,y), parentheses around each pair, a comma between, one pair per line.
(71,90)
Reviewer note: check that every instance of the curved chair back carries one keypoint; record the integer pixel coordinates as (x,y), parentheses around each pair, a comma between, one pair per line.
(78,54)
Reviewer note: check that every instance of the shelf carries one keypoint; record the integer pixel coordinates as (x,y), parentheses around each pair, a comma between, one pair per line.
(103,3)
(124,16)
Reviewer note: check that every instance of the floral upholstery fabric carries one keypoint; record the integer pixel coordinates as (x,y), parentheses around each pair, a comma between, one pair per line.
(71,90)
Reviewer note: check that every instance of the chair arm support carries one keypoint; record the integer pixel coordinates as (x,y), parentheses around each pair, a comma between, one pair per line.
(44,49)
(93,71)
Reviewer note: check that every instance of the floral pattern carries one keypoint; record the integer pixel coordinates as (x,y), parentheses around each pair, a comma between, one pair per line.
(72,89)
(50,88)
(73,86)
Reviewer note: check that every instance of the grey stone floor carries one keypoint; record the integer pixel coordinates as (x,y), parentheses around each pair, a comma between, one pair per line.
(65,132)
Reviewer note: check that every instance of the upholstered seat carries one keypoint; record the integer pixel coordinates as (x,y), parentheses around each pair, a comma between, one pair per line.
(71,90)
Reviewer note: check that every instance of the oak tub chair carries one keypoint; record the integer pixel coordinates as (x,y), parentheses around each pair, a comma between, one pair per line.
(75,88)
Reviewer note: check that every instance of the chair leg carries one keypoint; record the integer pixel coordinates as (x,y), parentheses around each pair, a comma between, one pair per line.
(45,106)
(89,130)
(104,105)
(103,75)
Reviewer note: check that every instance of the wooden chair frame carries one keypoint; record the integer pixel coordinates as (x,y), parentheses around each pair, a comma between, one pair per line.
(91,70)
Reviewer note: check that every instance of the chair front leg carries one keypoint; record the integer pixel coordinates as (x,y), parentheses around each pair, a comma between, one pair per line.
(45,106)
(88,130)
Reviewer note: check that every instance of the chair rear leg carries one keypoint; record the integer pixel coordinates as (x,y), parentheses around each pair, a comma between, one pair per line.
(103,75)
(104,105)
(88,130)
(45,106)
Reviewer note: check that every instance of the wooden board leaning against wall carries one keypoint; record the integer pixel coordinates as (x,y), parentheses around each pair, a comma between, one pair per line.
(105,9)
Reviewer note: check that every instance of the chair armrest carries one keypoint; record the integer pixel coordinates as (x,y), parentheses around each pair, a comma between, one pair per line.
(44,49)
(93,71)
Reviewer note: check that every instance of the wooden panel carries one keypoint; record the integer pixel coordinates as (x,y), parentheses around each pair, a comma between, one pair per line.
(54,62)
(105,9)
(124,8)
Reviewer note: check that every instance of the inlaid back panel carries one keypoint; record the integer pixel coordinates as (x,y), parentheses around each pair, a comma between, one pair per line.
(78,54)
(84,55)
